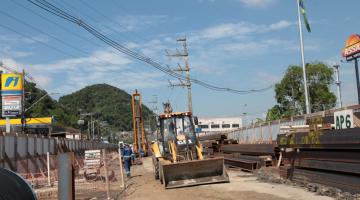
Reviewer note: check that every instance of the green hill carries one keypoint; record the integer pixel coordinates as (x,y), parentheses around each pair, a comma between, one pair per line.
(109,104)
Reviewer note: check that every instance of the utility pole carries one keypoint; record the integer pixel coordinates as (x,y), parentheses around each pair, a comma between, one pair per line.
(155,103)
(90,124)
(23,116)
(185,56)
(307,102)
(154,108)
(337,74)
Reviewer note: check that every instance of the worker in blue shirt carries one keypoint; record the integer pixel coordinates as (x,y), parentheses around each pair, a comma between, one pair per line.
(127,159)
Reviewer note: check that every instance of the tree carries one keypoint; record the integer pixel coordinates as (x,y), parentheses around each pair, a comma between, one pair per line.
(290,94)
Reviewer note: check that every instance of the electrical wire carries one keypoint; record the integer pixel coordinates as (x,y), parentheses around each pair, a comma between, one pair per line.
(104,62)
(62,14)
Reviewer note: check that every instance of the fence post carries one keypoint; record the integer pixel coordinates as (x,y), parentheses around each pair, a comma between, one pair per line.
(16,152)
(48,167)
(279,126)
(122,185)
(106,175)
(261,133)
(42,146)
(3,150)
(27,153)
(66,187)
(270,132)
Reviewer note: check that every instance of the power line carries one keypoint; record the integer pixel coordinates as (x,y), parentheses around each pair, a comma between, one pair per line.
(97,21)
(40,31)
(65,29)
(104,62)
(60,13)
(54,23)
(38,41)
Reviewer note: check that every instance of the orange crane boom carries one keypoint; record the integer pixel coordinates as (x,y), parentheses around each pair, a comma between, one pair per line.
(140,141)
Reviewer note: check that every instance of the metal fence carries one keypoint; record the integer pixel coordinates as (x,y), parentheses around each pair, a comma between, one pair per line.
(267,132)
(27,154)
(264,132)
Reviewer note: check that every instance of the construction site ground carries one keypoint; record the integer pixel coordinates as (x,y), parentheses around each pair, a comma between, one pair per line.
(243,185)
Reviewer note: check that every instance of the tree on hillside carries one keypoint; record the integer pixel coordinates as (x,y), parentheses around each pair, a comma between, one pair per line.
(108,103)
(39,107)
(289,92)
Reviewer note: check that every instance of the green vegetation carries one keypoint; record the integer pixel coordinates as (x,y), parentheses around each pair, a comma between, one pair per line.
(290,95)
(108,103)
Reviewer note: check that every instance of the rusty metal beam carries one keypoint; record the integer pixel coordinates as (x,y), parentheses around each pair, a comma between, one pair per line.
(247,165)
(326,139)
(338,166)
(213,137)
(252,149)
(344,182)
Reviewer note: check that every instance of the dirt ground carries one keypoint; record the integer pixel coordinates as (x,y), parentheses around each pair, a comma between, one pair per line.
(143,186)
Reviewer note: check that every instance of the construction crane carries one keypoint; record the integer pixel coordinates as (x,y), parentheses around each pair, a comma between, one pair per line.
(140,142)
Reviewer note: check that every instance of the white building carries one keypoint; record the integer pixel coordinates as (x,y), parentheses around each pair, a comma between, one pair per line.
(219,124)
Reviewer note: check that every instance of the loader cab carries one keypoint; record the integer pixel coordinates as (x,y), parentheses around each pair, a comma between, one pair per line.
(177,127)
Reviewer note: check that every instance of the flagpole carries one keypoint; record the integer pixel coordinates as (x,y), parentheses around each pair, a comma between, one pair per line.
(307,104)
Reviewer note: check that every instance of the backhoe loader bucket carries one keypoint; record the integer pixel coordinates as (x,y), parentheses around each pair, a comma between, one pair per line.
(197,172)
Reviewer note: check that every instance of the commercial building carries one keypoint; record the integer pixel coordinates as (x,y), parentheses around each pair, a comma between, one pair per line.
(219,124)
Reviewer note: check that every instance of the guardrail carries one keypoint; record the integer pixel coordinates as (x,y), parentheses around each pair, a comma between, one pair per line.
(27,153)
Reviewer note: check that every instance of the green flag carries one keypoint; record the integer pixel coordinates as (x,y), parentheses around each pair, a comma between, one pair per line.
(303,12)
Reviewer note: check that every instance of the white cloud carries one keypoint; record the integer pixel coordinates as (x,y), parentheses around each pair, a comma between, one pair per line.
(102,66)
(13,39)
(256,3)
(240,29)
(135,23)
(248,3)
(267,78)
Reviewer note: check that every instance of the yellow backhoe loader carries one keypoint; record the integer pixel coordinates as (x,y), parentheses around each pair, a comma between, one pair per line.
(177,154)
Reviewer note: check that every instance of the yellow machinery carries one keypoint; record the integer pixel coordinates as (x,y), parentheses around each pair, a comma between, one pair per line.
(140,142)
(177,154)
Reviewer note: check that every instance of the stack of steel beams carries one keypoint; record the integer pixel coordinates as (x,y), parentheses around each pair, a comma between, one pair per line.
(217,137)
(249,149)
(249,156)
(327,157)
(212,143)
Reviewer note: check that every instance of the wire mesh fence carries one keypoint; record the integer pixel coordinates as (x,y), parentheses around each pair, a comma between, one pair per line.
(97,176)
(100,181)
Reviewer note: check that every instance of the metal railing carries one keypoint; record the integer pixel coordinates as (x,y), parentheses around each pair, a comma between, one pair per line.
(267,132)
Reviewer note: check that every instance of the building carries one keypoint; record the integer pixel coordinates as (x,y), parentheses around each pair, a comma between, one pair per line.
(219,124)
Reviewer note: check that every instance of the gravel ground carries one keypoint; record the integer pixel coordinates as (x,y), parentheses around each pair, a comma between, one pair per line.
(142,185)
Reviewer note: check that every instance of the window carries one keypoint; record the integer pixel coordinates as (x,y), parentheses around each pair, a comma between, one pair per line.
(215,126)
(203,126)
(235,125)
(226,126)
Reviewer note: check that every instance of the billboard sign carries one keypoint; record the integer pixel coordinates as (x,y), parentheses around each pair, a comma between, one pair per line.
(352,47)
(11,105)
(11,84)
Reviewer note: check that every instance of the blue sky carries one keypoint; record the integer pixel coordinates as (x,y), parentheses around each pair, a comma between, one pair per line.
(242,44)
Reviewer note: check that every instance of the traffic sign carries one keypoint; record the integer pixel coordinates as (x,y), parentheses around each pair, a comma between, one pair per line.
(344,119)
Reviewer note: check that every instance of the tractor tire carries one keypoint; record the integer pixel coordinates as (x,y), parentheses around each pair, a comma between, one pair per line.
(156,168)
